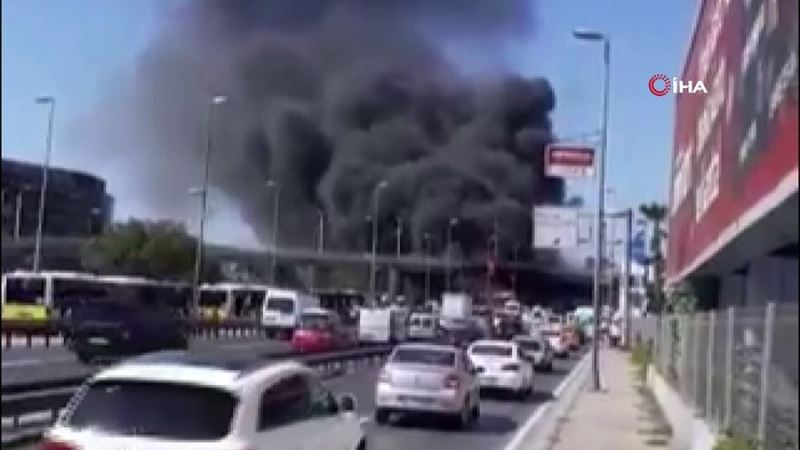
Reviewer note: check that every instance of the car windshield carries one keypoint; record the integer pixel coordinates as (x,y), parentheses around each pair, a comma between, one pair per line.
(282,305)
(491,350)
(315,321)
(161,410)
(443,358)
(529,345)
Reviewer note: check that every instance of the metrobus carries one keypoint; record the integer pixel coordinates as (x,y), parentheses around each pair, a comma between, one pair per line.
(224,300)
(39,296)
(345,302)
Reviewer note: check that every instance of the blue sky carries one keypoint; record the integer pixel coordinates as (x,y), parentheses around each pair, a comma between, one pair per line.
(73,49)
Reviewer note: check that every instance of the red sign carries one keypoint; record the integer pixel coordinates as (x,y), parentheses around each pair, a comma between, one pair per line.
(735,148)
(569,160)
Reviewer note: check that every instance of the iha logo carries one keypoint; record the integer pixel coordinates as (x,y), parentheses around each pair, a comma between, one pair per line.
(660,86)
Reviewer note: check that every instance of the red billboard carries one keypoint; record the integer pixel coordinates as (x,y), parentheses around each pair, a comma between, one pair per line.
(735,147)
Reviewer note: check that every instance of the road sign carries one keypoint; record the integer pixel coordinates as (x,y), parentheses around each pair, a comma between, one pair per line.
(569,160)
(555,227)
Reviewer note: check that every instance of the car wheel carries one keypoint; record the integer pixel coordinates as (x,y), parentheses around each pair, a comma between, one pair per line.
(381,416)
(476,412)
(463,418)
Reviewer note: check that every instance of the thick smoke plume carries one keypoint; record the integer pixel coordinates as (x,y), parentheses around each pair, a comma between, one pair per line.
(327,98)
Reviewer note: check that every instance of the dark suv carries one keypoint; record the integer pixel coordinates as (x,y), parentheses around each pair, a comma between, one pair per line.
(110,330)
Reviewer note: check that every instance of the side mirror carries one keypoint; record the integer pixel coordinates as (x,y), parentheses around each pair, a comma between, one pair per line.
(347,403)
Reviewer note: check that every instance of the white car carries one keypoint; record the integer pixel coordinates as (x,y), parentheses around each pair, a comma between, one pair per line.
(427,378)
(556,340)
(179,401)
(502,365)
(537,350)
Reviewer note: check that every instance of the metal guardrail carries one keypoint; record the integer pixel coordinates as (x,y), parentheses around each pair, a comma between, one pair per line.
(49,398)
(51,331)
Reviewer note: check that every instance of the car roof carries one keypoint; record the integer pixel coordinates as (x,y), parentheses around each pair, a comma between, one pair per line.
(229,373)
(496,342)
(315,310)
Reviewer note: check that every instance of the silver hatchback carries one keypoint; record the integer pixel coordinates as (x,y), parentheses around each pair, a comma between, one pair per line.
(427,378)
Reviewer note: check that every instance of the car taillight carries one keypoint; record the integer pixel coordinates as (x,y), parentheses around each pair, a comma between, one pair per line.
(451,381)
(385,377)
(48,444)
(513,367)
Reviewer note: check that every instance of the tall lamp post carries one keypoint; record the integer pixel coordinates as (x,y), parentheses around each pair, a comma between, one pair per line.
(450,225)
(202,192)
(375,210)
(595,36)
(37,250)
(426,244)
(320,245)
(273,185)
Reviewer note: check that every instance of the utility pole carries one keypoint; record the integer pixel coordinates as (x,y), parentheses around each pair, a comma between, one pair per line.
(595,36)
(626,288)
(373,261)
(37,251)
(426,246)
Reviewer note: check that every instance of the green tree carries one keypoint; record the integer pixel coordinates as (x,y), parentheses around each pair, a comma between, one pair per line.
(656,214)
(157,249)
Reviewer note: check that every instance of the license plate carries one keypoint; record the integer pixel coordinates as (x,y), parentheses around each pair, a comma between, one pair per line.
(489,380)
(98,341)
(415,399)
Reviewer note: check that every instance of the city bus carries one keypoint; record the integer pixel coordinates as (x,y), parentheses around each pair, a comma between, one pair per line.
(39,296)
(225,300)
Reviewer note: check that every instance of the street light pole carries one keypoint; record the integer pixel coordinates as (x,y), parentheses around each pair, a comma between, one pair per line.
(426,239)
(37,251)
(372,263)
(626,281)
(320,246)
(601,175)
(452,223)
(272,184)
(203,192)
(399,236)
(18,215)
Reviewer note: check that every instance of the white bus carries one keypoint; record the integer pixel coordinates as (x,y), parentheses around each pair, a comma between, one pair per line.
(226,300)
(39,296)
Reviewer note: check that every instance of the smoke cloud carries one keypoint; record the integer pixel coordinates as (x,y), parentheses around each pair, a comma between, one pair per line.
(327,98)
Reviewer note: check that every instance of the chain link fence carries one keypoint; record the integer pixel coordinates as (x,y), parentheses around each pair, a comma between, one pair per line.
(736,367)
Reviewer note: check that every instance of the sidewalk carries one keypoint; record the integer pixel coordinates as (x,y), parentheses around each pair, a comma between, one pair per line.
(624,416)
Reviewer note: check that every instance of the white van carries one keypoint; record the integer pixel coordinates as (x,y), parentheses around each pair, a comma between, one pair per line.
(282,310)
(422,326)
(382,325)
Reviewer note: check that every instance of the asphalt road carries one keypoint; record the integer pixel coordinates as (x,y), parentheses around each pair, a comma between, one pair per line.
(500,417)
(21,364)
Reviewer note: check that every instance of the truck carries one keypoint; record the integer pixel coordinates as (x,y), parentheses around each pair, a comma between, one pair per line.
(382,325)
(456,305)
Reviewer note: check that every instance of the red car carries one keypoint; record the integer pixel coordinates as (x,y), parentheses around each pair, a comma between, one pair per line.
(319,331)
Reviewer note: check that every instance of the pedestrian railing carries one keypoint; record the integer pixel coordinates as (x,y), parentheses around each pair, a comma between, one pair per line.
(736,367)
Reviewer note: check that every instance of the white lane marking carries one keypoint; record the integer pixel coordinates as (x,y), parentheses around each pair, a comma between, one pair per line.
(523,432)
(35,362)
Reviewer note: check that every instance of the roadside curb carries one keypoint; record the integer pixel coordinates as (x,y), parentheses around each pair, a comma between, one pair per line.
(541,429)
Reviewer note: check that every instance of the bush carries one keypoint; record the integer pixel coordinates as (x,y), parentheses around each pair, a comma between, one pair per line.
(641,358)
(736,442)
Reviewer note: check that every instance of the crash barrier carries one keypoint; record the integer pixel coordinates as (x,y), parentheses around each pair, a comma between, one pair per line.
(19,333)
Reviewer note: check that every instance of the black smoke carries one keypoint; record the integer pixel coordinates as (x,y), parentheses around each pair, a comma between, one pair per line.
(328,98)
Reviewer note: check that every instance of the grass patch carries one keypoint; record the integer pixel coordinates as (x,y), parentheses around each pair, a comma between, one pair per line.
(641,359)
(736,442)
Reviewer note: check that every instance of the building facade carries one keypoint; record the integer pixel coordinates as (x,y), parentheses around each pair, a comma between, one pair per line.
(76,204)
(733,227)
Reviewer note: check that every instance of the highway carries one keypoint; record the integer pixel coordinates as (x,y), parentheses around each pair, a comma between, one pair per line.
(500,419)
(23,364)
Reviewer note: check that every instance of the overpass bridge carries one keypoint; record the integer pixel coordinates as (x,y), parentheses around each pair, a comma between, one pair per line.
(65,253)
